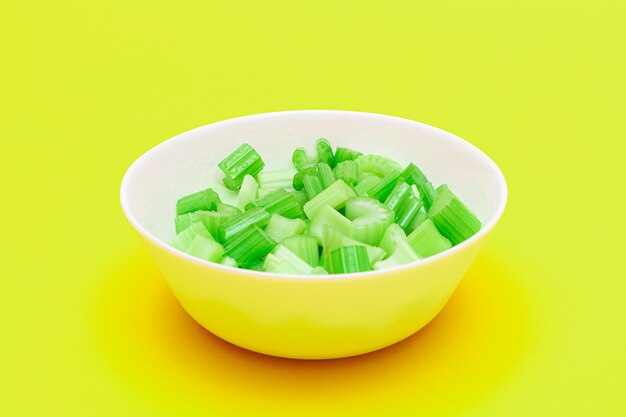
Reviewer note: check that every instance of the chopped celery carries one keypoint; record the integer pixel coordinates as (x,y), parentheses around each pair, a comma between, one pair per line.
(202,200)
(383,188)
(413,175)
(407,210)
(325,152)
(280,228)
(281,202)
(182,240)
(319,270)
(427,241)
(312,185)
(243,161)
(229,262)
(332,239)
(325,173)
(403,254)
(301,197)
(284,261)
(349,259)
(310,169)
(248,192)
(250,246)
(262,192)
(300,158)
(280,178)
(212,220)
(345,154)
(257,216)
(183,221)
(328,216)
(392,236)
(422,215)
(366,183)
(369,218)
(428,194)
(347,171)
(452,218)
(229,210)
(255,266)
(305,247)
(376,164)
(335,196)
(397,195)
(205,248)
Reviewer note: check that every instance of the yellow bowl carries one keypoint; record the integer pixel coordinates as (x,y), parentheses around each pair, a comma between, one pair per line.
(309,317)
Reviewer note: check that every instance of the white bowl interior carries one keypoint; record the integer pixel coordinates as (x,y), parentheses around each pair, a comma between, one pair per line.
(188,162)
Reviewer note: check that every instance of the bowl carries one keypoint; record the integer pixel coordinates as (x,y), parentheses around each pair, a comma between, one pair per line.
(309,317)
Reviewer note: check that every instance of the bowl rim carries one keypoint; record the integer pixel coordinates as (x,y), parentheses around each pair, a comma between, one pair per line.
(124,200)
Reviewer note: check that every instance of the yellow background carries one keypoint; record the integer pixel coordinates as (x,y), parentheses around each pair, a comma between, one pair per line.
(88,326)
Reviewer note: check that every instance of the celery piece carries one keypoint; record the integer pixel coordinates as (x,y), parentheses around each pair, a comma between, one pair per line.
(284,261)
(403,254)
(397,195)
(347,171)
(229,210)
(312,185)
(202,200)
(280,228)
(212,220)
(257,216)
(440,188)
(305,247)
(301,197)
(413,175)
(427,241)
(407,210)
(428,193)
(300,158)
(249,246)
(453,219)
(335,196)
(392,236)
(183,221)
(349,259)
(255,266)
(325,152)
(310,169)
(379,165)
(332,239)
(345,154)
(182,240)
(262,192)
(227,261)
(366,183)
(281,202)
(244,160)
(369,218)
(328,216)
(325,173)
(280,178)
(319,270)
(248,192)
(383,188)
(422,215)
(205,248)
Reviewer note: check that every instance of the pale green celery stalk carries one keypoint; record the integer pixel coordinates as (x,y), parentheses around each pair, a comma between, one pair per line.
(280,178)
(243,161)
(183,221)
(229,262)
(376,164)
(422,215)
(407,210)
(347,171)
(319,270)
(212,220)
(202,200)
(369,218)
(366,183)
(236,225)
(348,259)
(453,219)
(325,152)
(300,158)
(335,196)
(312,185)
(325,173)
(280,227)
(332,239)
(383,188)
(392,236)
(182,240)
(249,246)
(281,202)
(403,254)
(306,247)
(346,154)
(427,241)
(249,191)
(205,248)
(229,210)
(328,216)
(284,261)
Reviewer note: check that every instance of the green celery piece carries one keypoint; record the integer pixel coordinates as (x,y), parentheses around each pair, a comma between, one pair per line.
(257,216)
(183,221)
(403,254)
(453,219)
(280,178)
(312,185)
(325,173)
(229,210)
(428,194)
(325,152)
(281,202)
(440,188)
(392,236)
(301,197)
(335,196)
(227,261)
(366,183)
(383,188)
(332,239)
(379,165)
(248,192)
(305,247)
(348,259)
(347,171)
(369,218)
(243,161)
(328,216)
(345,154)
(413,175)
(422,215)
(284,261)
(280,228)
(319,270)
(397,195)
(427,241)
(300,158)
(212,220)
(310,169)
(182,240)
(249,246)
(363,175)
(262,192)
(255,266)
(407,210)
(205,248)
(202,200)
